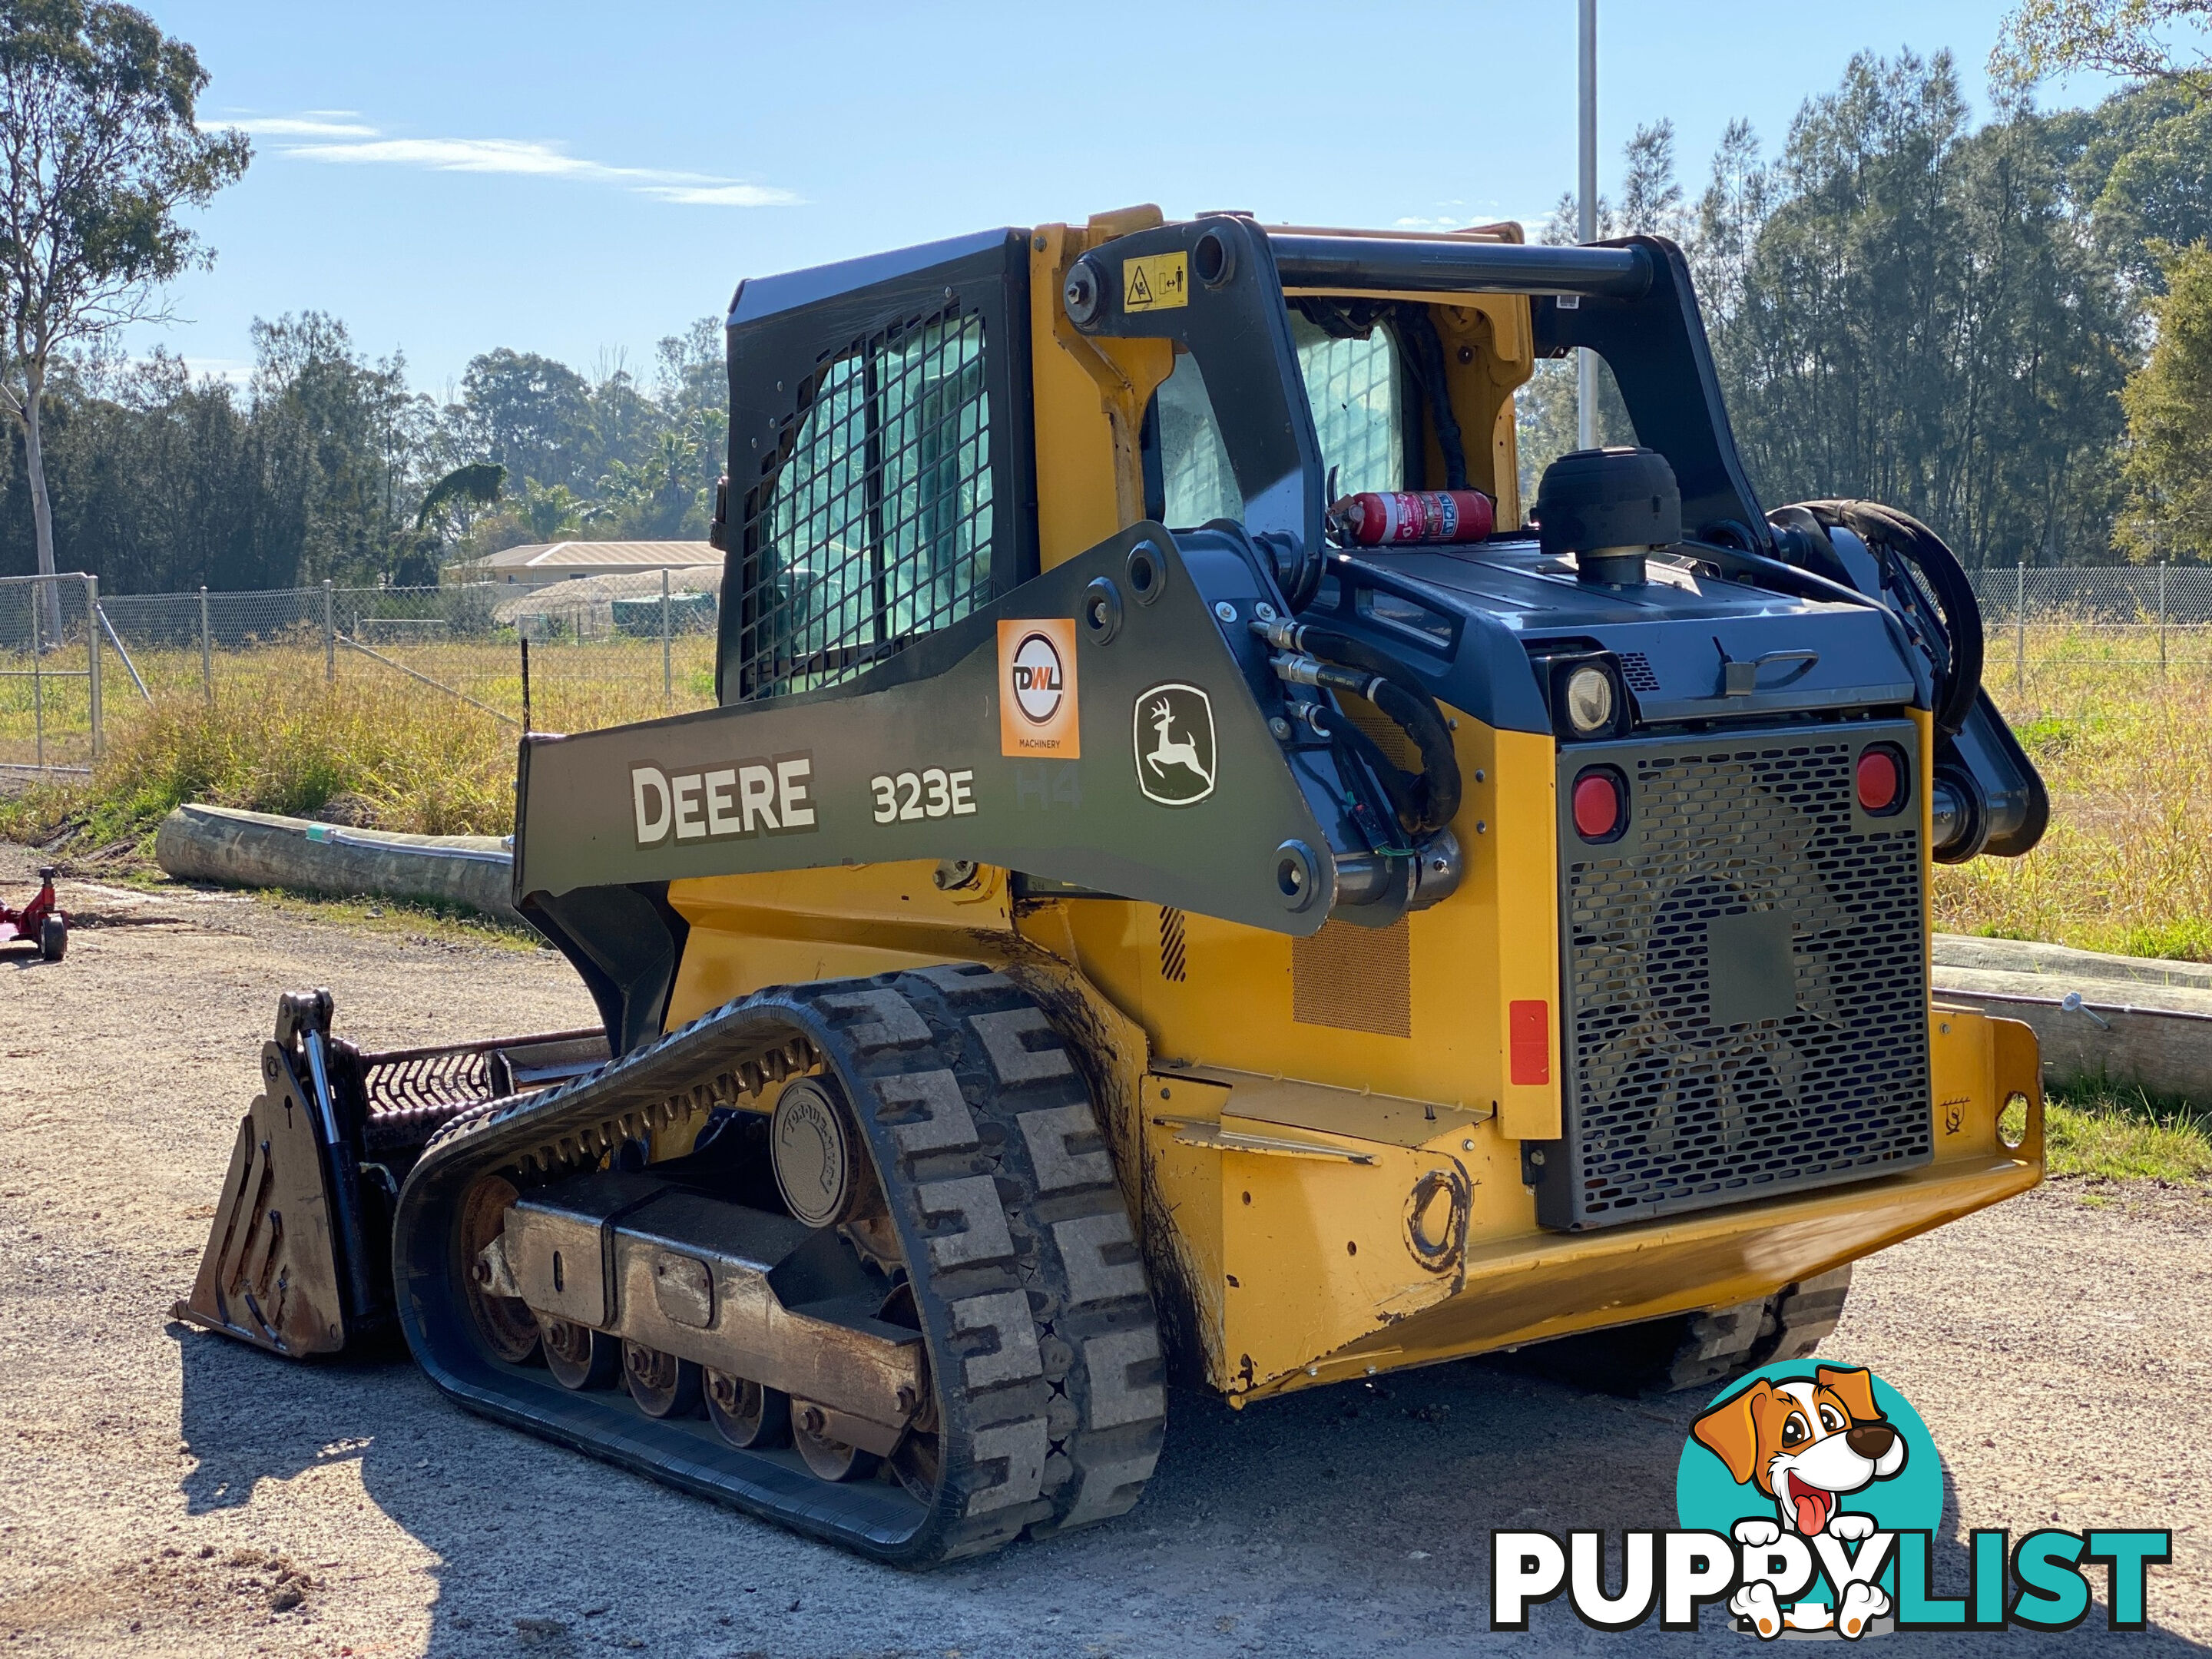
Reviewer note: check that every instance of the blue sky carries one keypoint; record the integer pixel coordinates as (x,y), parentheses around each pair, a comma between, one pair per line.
(581,179)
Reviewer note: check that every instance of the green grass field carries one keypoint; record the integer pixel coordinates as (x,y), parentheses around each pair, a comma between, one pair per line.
(2095,1135)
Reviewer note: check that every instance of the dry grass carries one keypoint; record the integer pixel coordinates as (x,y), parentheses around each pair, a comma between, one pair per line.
(2127,755)
(280,737)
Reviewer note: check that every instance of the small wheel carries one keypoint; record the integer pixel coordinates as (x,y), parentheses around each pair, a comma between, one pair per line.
(918,1461)
(662,1384)
(829,1460)
(577,1356)
(506,1325)
(747,1415)
(53,938)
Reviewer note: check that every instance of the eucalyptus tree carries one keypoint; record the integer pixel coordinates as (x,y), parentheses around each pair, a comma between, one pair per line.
(99,147)
(2138,40)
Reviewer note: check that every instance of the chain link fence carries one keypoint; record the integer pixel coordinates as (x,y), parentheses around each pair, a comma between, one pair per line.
(50,673)
(2155,619)
(569,656)
(602,651)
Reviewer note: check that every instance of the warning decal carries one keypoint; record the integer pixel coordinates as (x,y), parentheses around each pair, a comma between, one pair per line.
(1158,282)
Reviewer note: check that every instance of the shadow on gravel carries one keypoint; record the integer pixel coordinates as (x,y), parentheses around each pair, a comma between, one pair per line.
(249,1416)
(1351,1521)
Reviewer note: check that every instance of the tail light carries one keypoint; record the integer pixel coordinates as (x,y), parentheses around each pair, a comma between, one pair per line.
(1600,803)
(1882,780)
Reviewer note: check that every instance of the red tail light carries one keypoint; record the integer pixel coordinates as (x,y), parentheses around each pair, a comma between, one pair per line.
(1600,810)
(1881,780)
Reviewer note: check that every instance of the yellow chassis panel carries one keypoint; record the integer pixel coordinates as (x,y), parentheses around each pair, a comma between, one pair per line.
(1280,1238)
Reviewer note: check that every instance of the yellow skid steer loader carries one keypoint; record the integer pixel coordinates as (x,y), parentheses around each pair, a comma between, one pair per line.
(1189,877)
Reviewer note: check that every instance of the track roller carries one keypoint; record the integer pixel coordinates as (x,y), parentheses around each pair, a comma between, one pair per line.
(662,1384)
(747,1415)
(577,1356)
(829,1458)
(911,1302)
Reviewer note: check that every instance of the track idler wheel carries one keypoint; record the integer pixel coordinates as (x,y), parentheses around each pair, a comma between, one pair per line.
(577,1356)
(509,1329)
(749,1416)
(662,1384)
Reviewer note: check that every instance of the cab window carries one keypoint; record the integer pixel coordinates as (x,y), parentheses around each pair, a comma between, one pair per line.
(1354,389)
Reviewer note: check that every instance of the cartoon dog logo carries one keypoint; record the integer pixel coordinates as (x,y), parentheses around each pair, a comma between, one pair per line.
(1806,1446)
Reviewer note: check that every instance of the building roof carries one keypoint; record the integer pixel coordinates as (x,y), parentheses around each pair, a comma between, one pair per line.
(594,594)
(551,557)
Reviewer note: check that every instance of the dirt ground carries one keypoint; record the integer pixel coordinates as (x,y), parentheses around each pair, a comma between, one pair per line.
(165,1492)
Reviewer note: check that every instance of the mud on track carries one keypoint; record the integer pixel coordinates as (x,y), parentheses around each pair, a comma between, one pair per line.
(167,1492)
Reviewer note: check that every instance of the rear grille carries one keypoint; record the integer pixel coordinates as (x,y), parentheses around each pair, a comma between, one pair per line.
(1745,980)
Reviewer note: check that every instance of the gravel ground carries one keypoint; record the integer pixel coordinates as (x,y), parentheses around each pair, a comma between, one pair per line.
(165,1490)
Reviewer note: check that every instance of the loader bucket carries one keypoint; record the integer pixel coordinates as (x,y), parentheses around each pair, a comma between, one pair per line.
(298,1260)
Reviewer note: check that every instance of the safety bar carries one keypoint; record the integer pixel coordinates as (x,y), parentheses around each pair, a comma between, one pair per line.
(1447,265)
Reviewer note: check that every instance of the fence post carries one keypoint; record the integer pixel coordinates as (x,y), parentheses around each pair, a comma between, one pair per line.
(329,638)
(526,680)
(92,657)
(667,669)
(207,652)
(37,672)
(2019,629)
(2161,619)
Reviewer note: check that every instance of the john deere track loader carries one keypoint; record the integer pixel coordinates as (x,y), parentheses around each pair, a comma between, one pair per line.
(1189,878)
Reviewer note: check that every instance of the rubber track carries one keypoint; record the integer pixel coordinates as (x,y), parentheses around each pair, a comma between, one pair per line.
(1719,1346)
(1700,1351)
(1043,1345)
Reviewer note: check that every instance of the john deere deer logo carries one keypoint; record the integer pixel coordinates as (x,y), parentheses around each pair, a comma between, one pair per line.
(1173,744)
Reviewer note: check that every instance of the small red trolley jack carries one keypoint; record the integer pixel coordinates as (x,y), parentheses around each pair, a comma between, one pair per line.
(40,922)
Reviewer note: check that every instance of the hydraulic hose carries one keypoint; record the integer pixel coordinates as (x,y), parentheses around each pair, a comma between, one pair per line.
(1955,618)
(1343,662)
(1406,806)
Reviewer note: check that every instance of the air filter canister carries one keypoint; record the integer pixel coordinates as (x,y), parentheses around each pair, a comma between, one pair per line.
(1608,507)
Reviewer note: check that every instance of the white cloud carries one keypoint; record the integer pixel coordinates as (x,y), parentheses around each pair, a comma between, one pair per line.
(277,126)
(721,195)
(1496,215)
(356,144)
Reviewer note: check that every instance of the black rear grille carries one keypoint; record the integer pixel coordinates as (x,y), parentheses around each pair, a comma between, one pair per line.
(1744,997)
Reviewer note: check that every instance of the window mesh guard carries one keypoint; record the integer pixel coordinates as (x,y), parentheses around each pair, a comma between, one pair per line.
(1351,385)
(877,527)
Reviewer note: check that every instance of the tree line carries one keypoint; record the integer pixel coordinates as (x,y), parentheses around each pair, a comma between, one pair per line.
(323,464)
(2004,329)
(320,463)
(1955,320)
